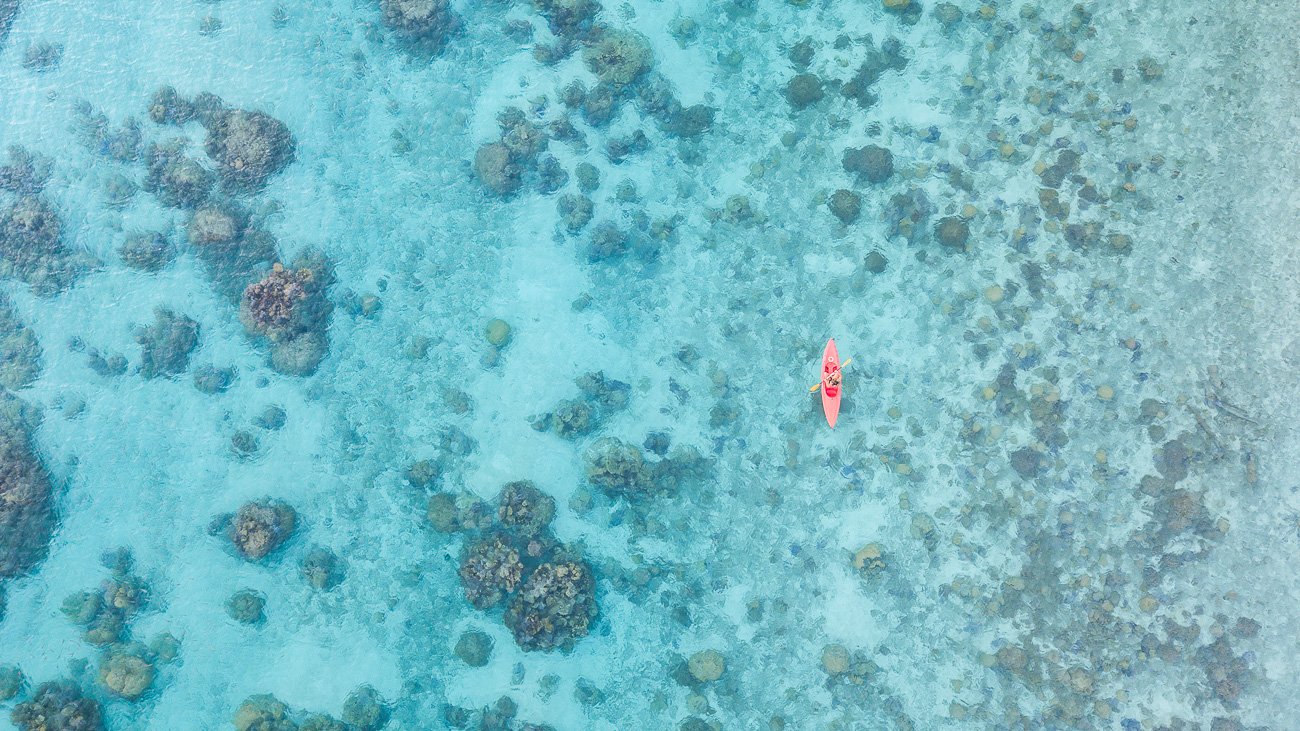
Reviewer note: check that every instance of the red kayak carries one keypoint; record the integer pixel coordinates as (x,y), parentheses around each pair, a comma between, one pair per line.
(831,391)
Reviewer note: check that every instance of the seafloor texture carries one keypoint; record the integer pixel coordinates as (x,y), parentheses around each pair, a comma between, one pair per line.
(411,365)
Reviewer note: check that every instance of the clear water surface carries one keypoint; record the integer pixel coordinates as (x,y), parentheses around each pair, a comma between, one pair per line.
(412,365)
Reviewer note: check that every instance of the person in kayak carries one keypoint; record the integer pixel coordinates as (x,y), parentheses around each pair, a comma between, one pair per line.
(833,378)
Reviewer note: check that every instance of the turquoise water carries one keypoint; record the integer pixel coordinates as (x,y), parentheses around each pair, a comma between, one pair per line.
(518,435)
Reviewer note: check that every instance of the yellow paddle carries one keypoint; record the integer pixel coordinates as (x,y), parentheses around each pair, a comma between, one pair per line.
(819,383)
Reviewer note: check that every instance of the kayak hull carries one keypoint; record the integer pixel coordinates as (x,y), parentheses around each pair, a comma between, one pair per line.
(831,394)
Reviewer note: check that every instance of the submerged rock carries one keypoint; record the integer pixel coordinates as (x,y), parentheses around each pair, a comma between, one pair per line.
(126,674)
(364,710)
(247,606)
(248,148)
(804,90)
(166,345)
(260,527)
(474,648)
(263,713)
(424,26)
(872,163)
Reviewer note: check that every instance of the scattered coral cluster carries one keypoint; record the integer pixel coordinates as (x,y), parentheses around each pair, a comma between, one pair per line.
(622,64)
(58,705)
(363,710)
(621,469)
(500,716)
(573,418)
(548,589)
(247,147)
(127,668)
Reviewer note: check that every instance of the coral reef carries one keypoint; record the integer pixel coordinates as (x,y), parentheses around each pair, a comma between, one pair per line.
(503,165)
(474,648)
(618,57)
(126,672)
(8,11)
(263,713)
(97,133)
(424,26)
(804,90)
(845,205)
(176,179)
(322,569)
(248,147)
(260,527)
(575,211)
(321,722)
(247,606)
(619,468)
(149,252)
(490,568)
(106,612)
(525,509)
(364,710)
(26,172)
(26,505)
(572,418)
(58,705)
(32,247)
(571,20)
(453,513)
(873,163)
(288,307)
(422,473)
(555,606)
(12,681)
(952,232)
(20,353)
(166,345)
(168,107)
(707,666)
(234,251)
(212,380)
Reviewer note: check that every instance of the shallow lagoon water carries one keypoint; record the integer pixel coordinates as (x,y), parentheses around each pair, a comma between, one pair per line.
(1061,493)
